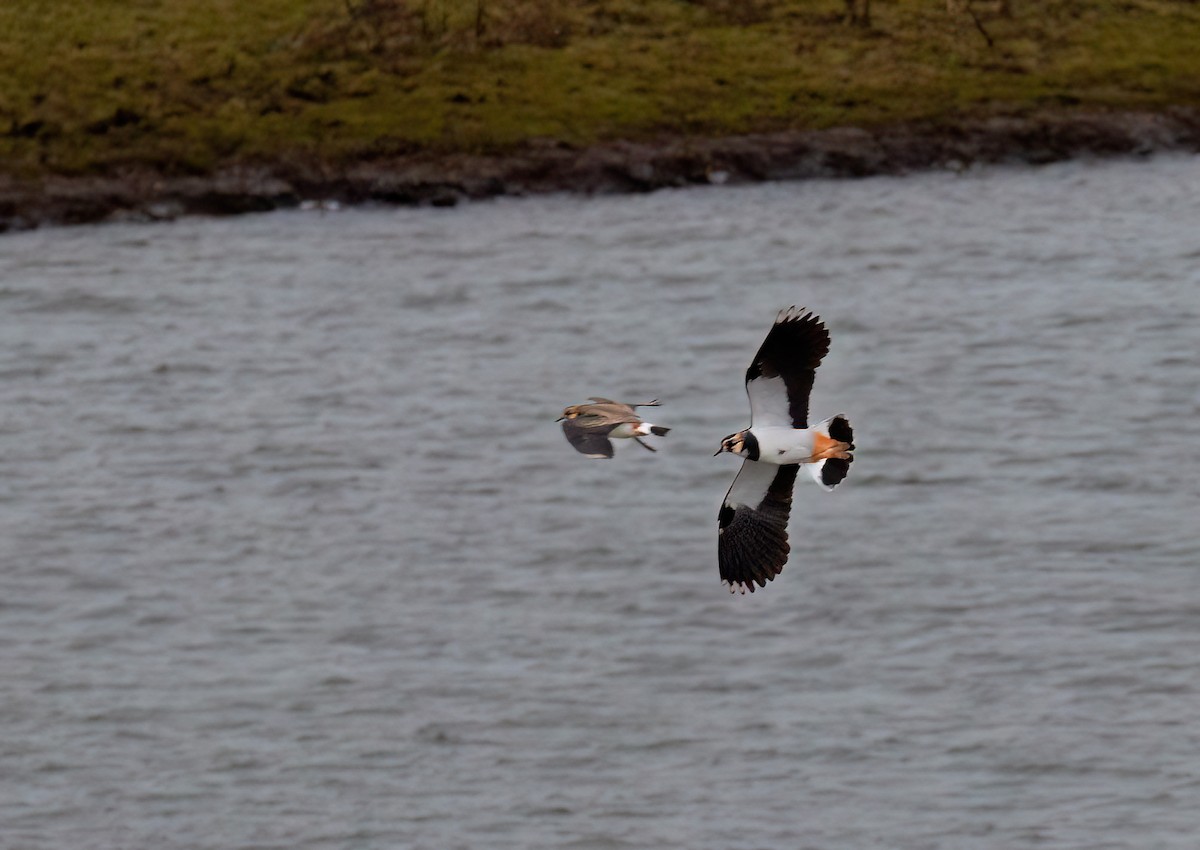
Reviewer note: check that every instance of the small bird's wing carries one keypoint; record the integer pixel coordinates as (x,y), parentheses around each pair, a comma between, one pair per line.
(752,543)
(651,403)
(780,377)
(607,414)
(588,441)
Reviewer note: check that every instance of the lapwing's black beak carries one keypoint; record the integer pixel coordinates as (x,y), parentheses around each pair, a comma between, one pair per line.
(718,451)
(560,419)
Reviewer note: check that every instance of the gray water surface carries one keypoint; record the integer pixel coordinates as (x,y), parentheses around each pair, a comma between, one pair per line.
(293,554)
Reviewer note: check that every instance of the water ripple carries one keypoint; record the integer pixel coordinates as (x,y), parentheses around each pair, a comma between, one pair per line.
(291,534)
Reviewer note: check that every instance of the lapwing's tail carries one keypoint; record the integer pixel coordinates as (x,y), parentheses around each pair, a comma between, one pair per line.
(658,430)
(830,471)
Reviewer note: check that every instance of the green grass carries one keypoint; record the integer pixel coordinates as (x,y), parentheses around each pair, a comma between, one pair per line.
(186,86)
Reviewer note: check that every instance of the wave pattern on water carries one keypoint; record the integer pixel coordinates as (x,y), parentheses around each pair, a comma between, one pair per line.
(295,555)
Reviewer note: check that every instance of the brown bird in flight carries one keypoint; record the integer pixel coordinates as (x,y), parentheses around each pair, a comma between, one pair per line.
(591,427)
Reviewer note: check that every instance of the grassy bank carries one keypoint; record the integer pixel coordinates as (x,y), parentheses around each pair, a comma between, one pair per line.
(186,86)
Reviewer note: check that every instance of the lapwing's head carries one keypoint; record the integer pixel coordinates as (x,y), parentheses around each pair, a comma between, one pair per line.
(735,444)
(570,412)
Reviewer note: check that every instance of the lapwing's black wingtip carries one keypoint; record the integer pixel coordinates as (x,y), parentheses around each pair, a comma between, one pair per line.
(797,314)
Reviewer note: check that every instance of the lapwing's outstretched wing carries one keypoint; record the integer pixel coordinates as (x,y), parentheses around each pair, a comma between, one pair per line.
(780,377)
(590,441)
(752,544)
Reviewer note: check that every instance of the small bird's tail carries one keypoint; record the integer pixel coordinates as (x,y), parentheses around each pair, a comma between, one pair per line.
(830,472)
(645,429)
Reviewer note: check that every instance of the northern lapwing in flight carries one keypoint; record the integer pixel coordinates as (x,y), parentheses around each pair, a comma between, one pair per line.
(752,542)
(590,428)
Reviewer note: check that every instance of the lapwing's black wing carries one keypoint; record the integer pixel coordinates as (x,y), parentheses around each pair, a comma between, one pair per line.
(780,377)
(752,544)
(592,442)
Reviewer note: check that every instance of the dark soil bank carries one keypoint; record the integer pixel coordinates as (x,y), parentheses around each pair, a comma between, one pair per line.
(608,168)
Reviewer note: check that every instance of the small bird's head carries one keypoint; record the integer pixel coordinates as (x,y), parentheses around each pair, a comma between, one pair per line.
(570,412)
(734,444)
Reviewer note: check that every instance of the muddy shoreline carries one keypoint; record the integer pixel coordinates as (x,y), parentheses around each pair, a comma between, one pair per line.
(144,195)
